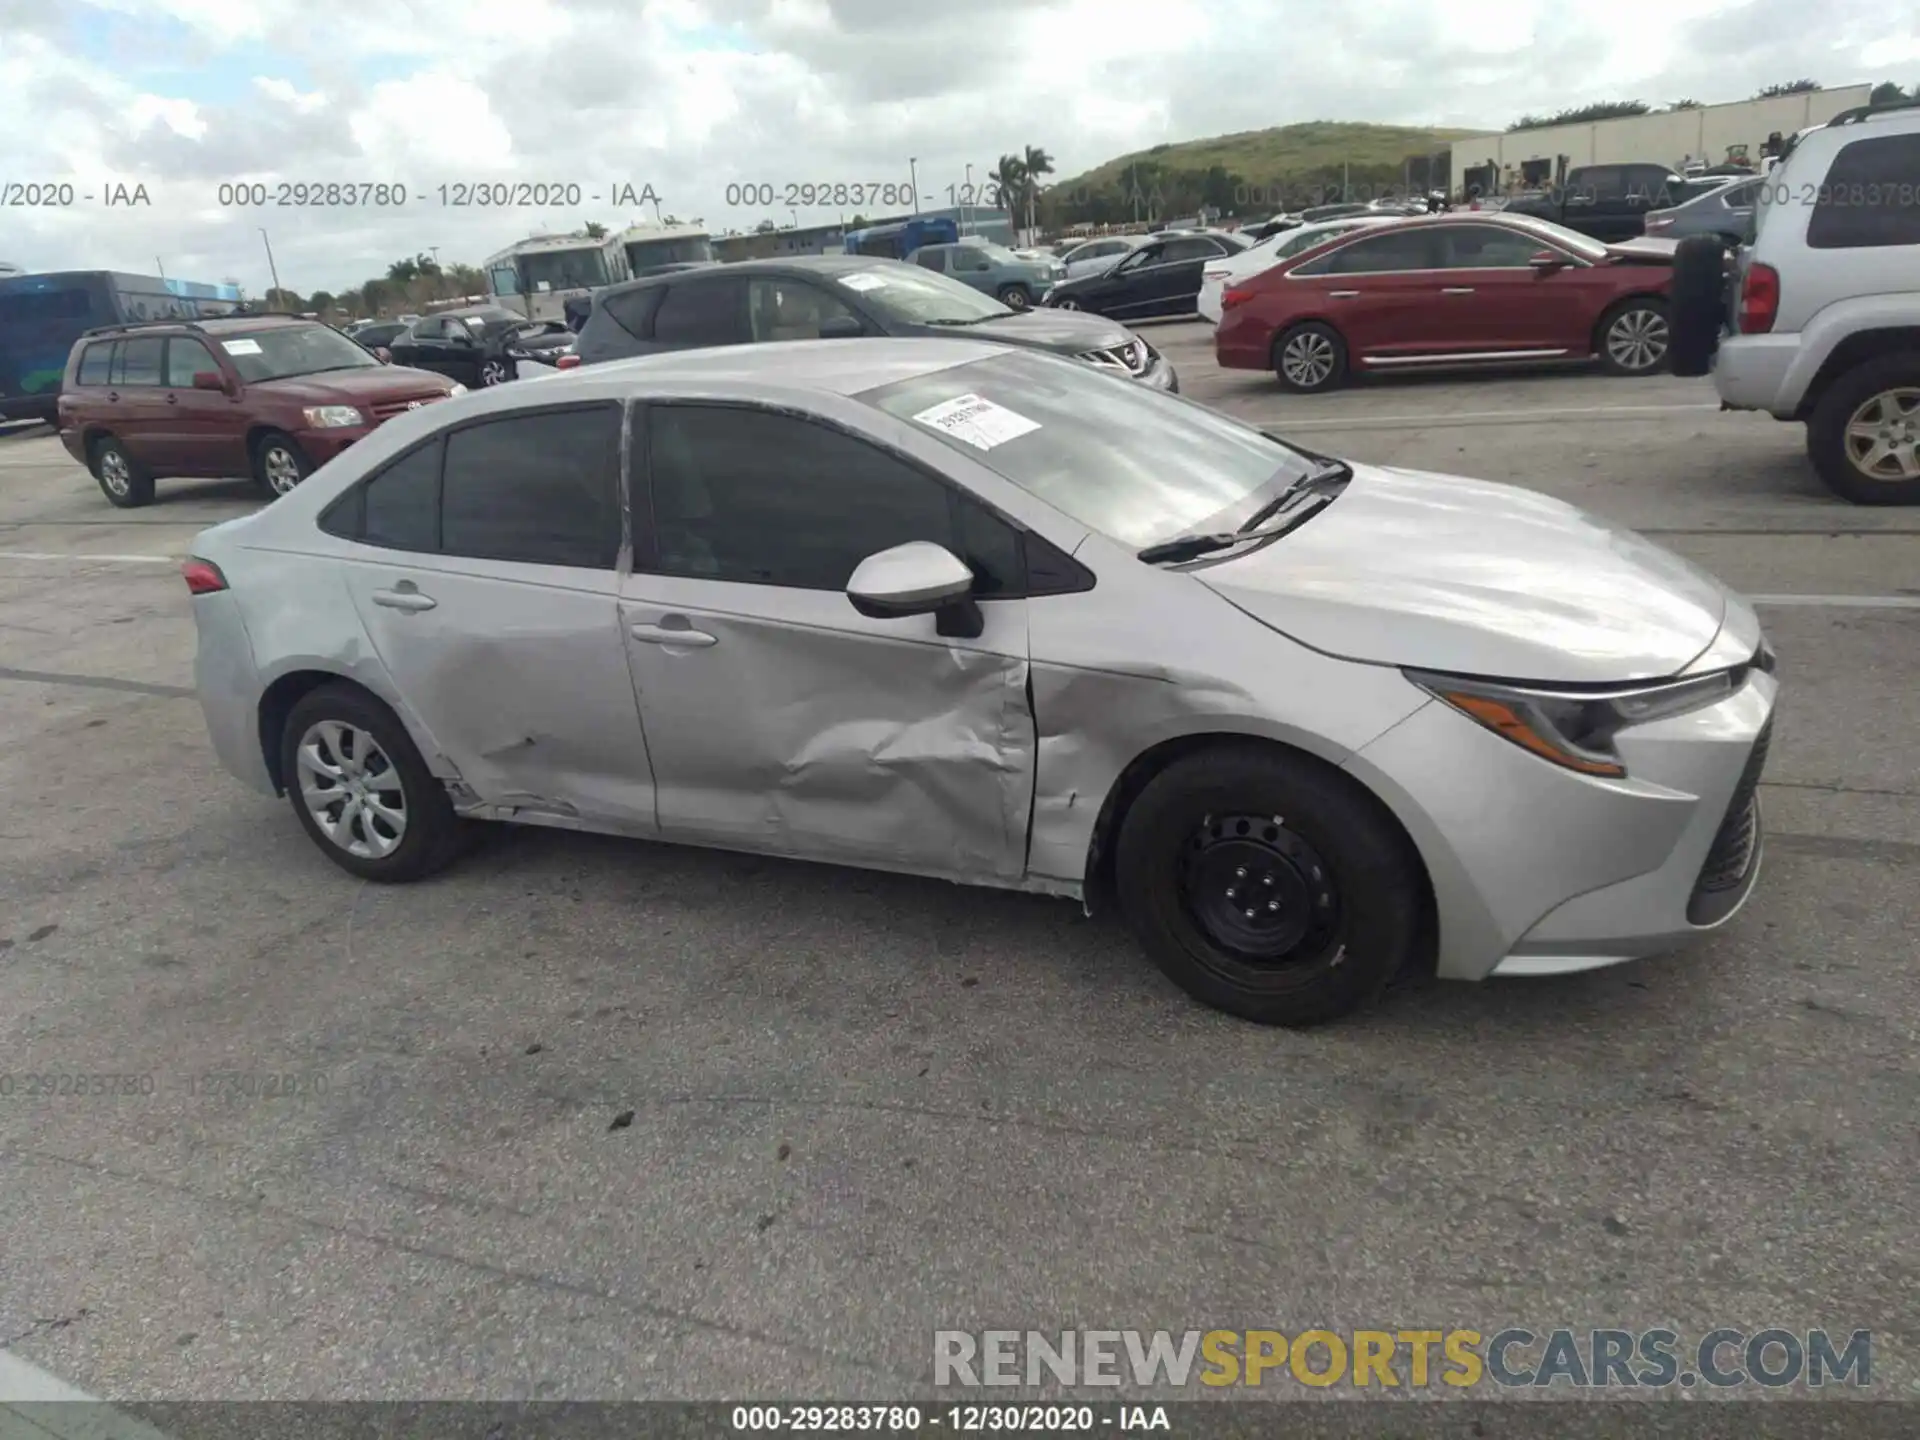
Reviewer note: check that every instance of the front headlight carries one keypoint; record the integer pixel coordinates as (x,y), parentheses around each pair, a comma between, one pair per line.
(333,417)
(1575,729)
(458,389)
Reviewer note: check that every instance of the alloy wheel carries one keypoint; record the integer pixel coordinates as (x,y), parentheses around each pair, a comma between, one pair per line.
(1883,436)
(1307,359)
(281,469)
(494,372)
(115,473)
(1067,304)
(351,789)
(1259,891)
(1637,339)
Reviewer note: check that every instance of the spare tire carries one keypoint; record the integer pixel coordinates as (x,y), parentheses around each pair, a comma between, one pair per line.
(1697,307)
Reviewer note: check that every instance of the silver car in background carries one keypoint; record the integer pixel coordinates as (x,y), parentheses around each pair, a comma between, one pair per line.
(1096,256)
(1726,211)
(985,614)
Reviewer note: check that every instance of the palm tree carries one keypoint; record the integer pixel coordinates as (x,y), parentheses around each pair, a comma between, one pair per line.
(1035,163)
(1009,180)
(596,231)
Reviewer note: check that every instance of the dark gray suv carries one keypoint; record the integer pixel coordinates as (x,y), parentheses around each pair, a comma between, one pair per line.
(831,297)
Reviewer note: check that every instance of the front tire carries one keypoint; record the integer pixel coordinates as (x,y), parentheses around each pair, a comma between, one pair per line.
(1635,338)
(1016,297)
(1311,358)
(125,482)
(361,790)
(1269,886)
(279,464)
(1864,434)
(1069,303)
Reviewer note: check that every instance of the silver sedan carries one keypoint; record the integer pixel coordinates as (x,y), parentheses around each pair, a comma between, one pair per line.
(949,608)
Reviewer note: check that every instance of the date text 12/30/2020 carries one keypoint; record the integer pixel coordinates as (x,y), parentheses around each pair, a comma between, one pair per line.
(441,195)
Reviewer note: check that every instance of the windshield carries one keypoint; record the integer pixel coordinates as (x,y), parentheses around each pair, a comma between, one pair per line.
(1134,464)
(686,250)
(920,297)
(293,350)
(581,269)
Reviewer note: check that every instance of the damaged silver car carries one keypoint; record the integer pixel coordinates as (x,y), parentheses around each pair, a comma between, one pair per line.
(986,614)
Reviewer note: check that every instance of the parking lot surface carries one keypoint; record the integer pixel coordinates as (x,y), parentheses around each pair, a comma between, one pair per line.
(589,1118)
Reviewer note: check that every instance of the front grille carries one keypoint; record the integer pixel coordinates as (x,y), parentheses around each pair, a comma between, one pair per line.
(387,409)
(1730,859)
(1132,358)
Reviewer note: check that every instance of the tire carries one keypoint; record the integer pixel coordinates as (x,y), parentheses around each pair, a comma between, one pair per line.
(1015,297)
(1182,837)
(1069,303)
(1697,303)
(1635,337)
(495,370)
(429,838)
(1311,358)
(279,464)
(125,482)
(1883,398)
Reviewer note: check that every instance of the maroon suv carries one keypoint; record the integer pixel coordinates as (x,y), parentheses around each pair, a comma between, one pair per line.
(270,396)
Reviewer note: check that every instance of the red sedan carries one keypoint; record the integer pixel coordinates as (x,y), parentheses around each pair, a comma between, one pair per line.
(1457,289)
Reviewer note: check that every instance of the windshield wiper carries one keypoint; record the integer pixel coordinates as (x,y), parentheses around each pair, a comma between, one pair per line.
(1192,547)
(1322,477)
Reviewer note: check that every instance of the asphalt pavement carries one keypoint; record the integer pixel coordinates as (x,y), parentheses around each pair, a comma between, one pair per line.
(598,1119)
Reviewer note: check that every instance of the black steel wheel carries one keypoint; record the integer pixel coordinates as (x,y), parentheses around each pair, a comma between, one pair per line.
(1260,892)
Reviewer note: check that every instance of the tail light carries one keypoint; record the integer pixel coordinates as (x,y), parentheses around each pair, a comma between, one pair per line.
(203,577)
(566,362)
(1759,299)
(1235,296)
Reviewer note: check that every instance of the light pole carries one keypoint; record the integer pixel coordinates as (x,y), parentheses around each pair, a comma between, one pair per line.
(966,194)
(163,266)
(913,173)
(272,269)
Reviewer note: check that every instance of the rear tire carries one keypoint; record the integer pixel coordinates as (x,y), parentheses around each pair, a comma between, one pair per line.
(1334,886)
(1696,303)
(1861,412)
(125,482)
(358,761)
(279,464)
(1311,358)
(1635,337)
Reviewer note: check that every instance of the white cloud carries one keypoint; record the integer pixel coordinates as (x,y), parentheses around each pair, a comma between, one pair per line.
(690,96)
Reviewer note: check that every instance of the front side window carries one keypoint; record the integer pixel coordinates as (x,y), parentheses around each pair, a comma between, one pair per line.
(781,309)
(930,257)
(540,488)
(187,357)
(766,499)
(1486,247)
(1135,465)
(1871,196)
(290,350)
(919,297)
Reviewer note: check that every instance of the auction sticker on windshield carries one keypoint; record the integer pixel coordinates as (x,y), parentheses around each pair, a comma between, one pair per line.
(241,347)
(980,423)
(863,280)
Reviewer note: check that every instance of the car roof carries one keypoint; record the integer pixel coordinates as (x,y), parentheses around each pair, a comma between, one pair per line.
(781,265)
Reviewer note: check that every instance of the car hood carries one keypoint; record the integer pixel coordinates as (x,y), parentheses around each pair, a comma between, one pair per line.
(1066,332)
(369,386)
(1645,249)
(1475,578)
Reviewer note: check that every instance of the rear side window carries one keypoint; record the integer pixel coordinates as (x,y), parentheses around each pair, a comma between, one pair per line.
(93,365)
(1871,196)
(402,502)
(540,488)
(1376,254)
(703,312)
(137,362)
(632,310)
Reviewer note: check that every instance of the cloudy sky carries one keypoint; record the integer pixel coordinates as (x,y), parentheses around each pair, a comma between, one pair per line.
(688,96)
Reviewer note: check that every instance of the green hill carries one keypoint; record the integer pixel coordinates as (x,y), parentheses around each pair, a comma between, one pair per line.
(1255,172)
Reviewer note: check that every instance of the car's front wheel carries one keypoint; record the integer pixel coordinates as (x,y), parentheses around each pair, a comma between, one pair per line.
(1016,297)
(1066,302)
(361,790)
(1864,434)
(123,480)
(1268,885)
(279,464)
(1634,338)
(1310,358)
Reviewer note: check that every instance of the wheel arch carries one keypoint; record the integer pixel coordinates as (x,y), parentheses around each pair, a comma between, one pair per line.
(277,702)
(259,431)
(1100,883)
(1857,349)
(1598,338)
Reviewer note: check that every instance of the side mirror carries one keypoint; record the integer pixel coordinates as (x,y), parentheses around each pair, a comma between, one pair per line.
(1546,262)
(841,327)
(917,578)
(209,380)
(383,355)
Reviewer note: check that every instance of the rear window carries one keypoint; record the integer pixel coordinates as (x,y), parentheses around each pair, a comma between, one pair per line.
(1871,196)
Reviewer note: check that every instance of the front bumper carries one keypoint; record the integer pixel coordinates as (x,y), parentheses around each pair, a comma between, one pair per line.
(1160,376)
(321,444)
(1538,870)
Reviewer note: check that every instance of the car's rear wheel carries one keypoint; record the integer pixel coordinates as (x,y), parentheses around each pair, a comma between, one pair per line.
(1864,434)
(1310,358)
(123,480)
(1696,303)
(279,464)
(361,790)
(494,371)
(1268,885)
(1635,337)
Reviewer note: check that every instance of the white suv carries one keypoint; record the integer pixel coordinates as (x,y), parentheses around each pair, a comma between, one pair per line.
(1817,318)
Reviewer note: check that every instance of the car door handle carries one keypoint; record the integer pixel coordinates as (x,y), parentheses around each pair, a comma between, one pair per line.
(1343,294)
(668,635)
(1456,289)
(407,599)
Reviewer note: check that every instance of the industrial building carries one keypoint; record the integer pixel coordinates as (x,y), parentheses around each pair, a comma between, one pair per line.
(1711,133)
(995,225)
